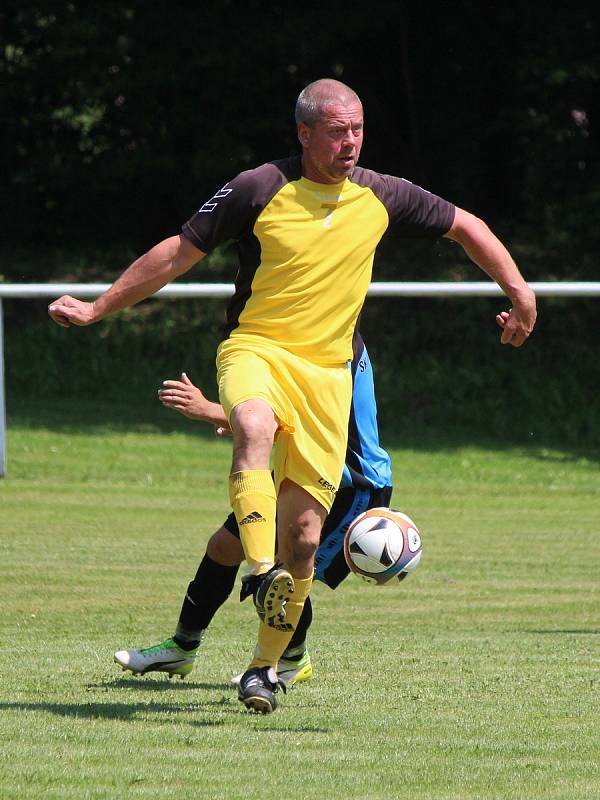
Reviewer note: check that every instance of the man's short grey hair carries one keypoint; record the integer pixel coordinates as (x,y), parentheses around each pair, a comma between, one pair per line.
(314,99)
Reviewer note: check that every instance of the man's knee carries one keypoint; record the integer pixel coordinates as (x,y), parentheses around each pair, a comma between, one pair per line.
(300,518)
(225,548)
(253,421)
(303,540)
(253,424)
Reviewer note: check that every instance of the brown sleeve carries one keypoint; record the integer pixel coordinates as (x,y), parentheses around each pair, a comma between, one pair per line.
(232,211)
(413,211)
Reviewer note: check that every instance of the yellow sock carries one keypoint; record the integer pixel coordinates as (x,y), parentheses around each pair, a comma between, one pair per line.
(271,642)
(253,499)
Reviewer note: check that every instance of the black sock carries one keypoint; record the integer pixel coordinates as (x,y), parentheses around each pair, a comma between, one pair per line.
(297,644)
(205,595)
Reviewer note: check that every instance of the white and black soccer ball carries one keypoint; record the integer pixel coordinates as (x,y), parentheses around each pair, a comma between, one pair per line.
(382,546)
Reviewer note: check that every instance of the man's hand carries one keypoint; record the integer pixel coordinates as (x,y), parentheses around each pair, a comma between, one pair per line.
(68,311)
(488,252)
(186,398)
(518,322)
(166,261)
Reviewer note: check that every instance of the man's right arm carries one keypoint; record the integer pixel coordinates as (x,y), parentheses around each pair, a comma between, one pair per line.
(162,264)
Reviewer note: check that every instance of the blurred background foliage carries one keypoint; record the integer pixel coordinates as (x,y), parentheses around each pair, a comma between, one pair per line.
(121,118)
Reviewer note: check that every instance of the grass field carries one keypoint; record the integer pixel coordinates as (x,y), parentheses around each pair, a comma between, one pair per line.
(477,678)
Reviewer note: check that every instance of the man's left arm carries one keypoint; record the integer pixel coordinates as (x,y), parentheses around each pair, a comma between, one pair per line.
(488,252)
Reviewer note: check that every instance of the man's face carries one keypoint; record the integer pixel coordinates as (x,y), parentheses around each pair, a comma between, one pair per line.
(331,146)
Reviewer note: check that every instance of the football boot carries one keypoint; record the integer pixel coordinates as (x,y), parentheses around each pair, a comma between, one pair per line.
(164,657)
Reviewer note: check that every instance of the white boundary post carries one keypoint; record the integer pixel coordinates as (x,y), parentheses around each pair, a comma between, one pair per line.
(2,403)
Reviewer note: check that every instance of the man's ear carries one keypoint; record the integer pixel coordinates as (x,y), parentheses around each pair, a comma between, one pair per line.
(303,134)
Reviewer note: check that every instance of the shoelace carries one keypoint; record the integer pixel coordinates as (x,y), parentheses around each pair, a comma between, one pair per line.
(262,677)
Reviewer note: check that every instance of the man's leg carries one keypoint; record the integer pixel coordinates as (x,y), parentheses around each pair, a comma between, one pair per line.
(251,488)
(299,521)
(296,647)
(253,499)
(295,665)
(212,585)
(300,518)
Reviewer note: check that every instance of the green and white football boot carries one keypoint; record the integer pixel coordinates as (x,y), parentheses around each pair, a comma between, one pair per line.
(164,657)
(292,672)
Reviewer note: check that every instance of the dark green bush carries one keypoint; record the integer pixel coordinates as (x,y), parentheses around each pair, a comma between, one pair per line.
(440,369)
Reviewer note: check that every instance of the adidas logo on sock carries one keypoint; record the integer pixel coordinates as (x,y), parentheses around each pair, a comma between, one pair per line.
(253,517)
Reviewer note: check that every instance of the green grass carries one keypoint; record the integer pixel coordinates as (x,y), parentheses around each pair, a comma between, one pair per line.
(477,678)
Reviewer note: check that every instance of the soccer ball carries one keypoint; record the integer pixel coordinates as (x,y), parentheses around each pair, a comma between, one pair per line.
(382,546)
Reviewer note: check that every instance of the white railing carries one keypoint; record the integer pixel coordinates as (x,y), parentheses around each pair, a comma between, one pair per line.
(403,289)
(416,289)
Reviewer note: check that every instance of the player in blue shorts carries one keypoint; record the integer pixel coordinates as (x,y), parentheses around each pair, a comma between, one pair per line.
(366,483)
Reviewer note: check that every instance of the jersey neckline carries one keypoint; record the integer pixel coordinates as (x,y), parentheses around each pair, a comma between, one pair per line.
(323,187)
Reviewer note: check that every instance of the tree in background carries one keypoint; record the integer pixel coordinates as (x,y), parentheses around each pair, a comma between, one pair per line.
(119,118)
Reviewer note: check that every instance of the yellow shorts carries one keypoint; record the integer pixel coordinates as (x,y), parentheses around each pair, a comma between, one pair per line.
(311,402)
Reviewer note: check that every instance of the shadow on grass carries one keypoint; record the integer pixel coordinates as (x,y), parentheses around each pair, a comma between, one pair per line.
(85,415)
(447,439)
(293,729)
(123,711)
(158,685)
(129,712)
(98,416)
(571,631)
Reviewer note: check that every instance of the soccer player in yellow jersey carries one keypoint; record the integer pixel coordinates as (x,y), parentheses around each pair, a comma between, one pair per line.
(307,229)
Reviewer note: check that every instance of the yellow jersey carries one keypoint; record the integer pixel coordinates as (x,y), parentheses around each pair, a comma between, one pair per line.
(306,250)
